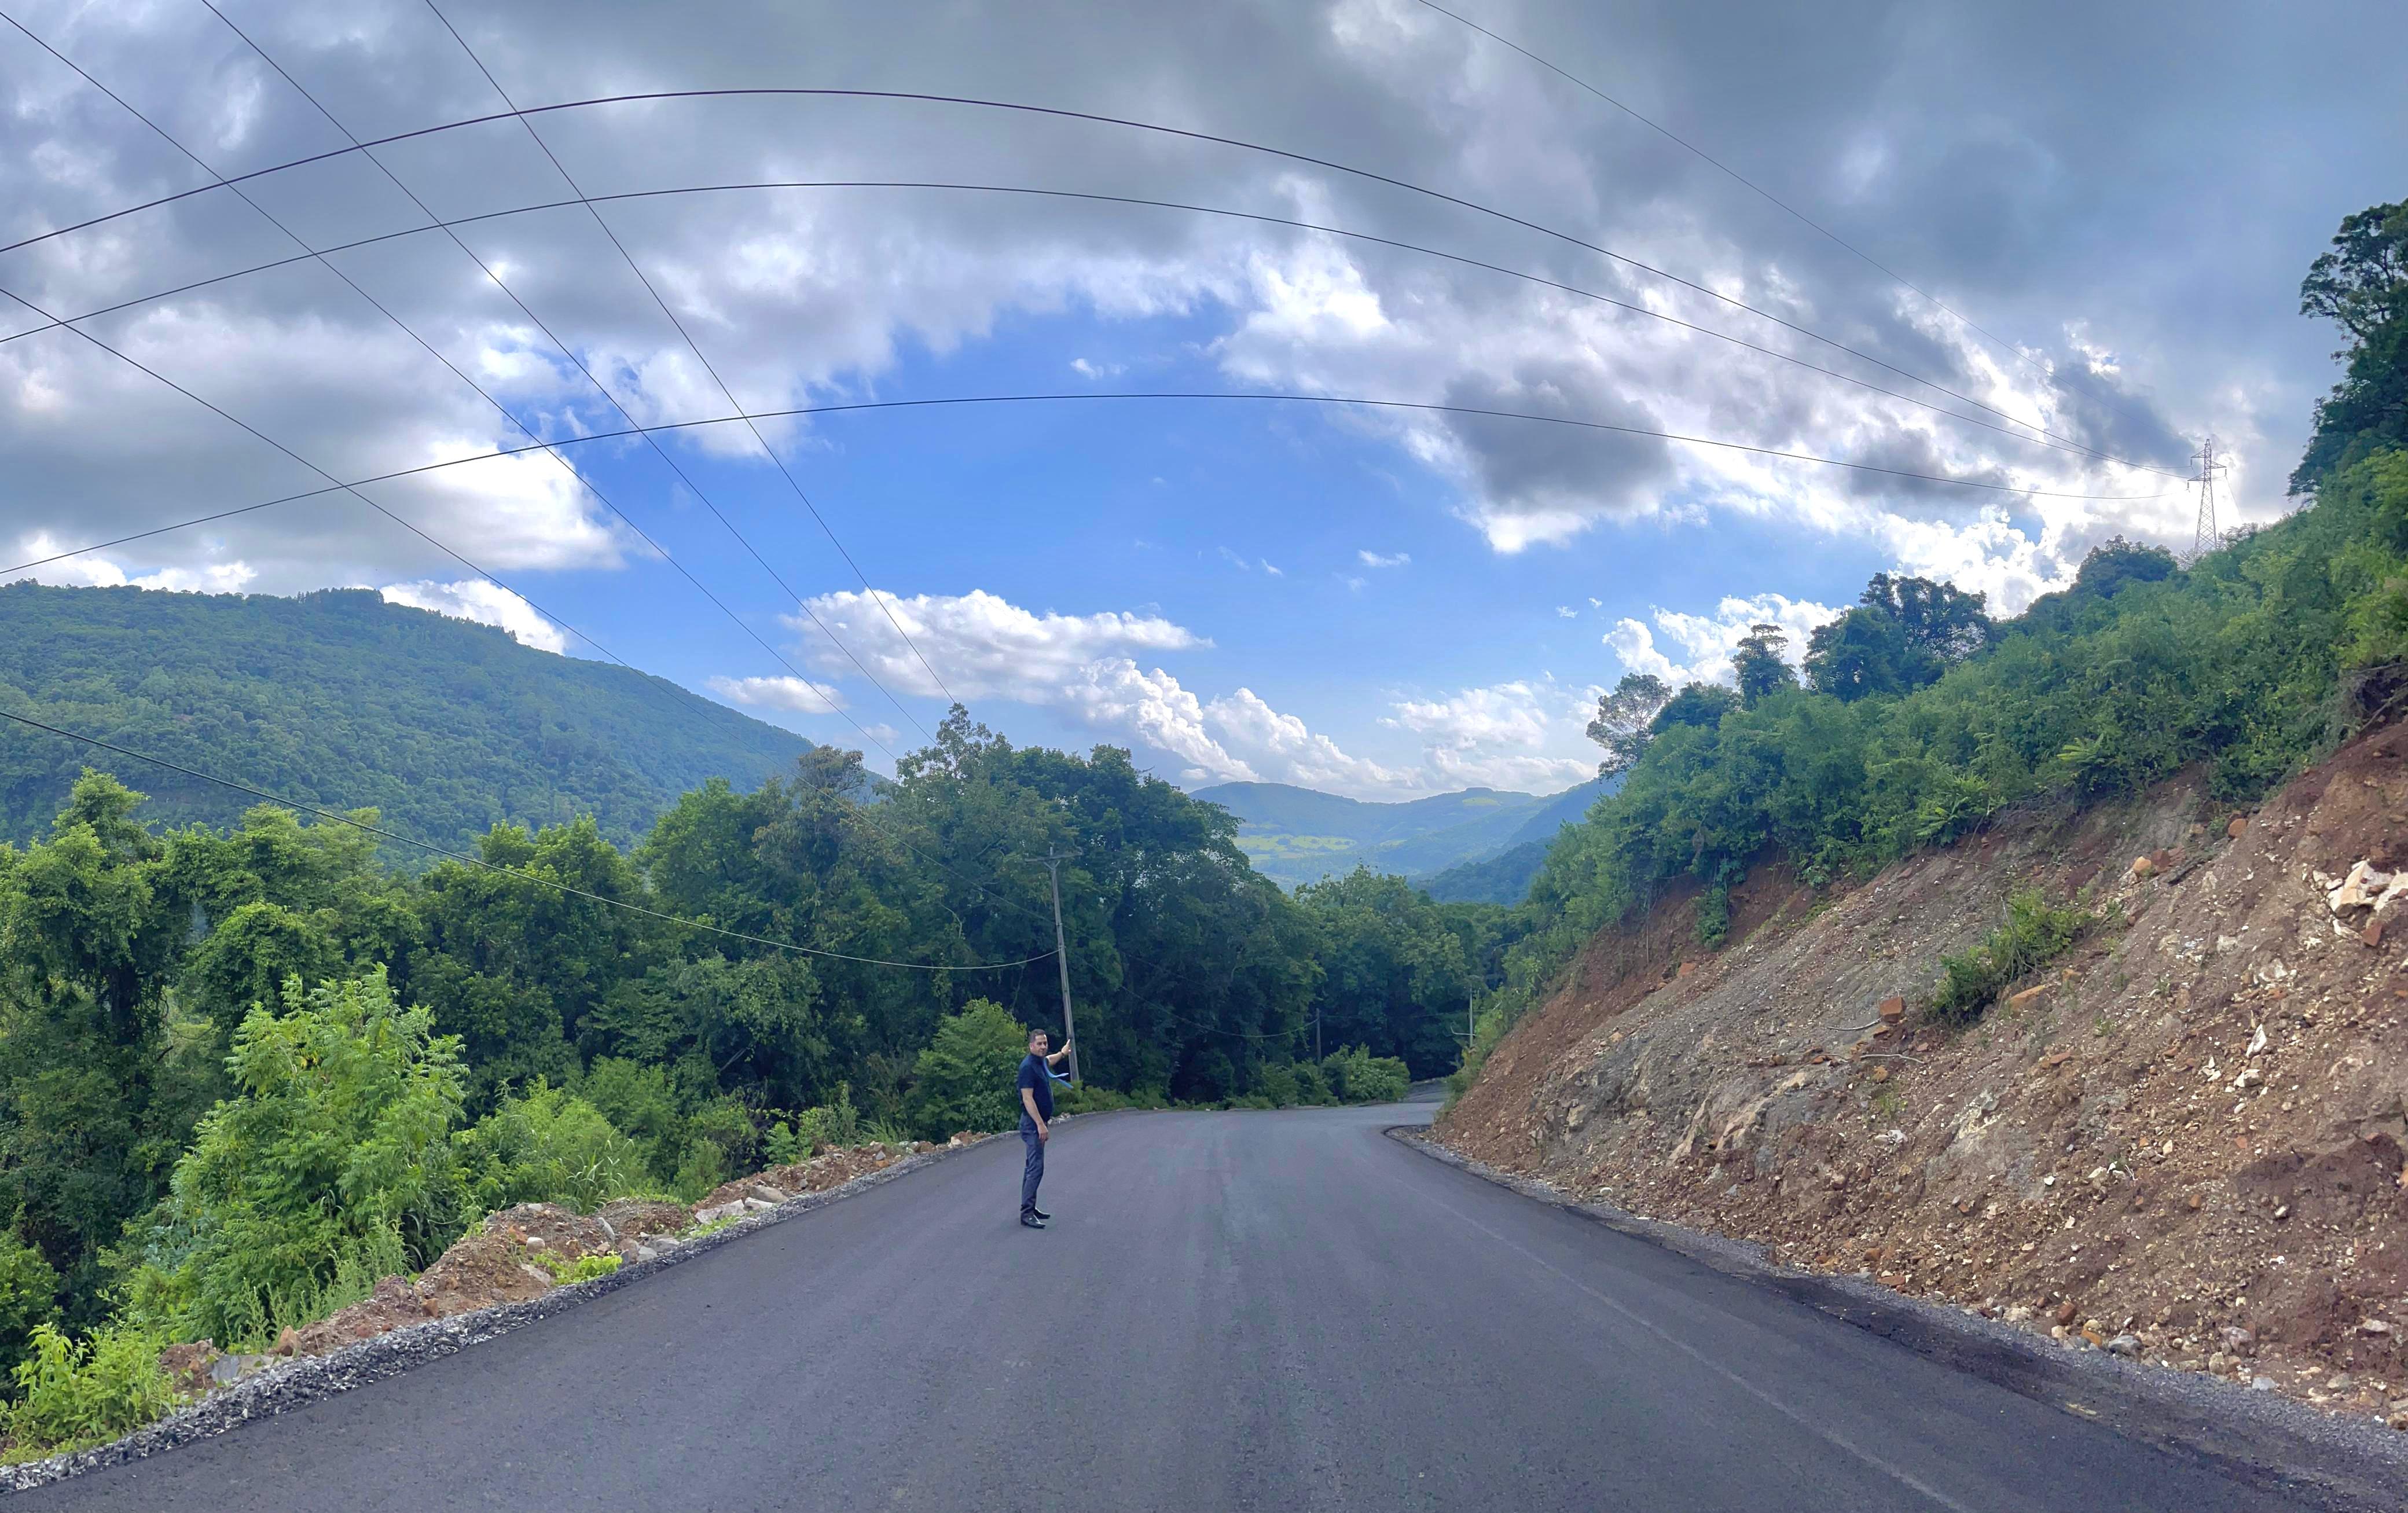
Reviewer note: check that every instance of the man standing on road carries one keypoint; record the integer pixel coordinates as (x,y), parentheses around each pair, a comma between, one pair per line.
(1035,1112)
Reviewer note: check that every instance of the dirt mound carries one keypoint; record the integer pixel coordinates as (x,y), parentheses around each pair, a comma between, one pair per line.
(2183,1140)
(828,1169)
(393,1304)
(629,1220)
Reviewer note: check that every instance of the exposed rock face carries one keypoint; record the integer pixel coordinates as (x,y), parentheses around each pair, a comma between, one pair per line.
(2190,1129)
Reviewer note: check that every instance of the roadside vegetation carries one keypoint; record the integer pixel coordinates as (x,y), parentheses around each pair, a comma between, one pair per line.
(1918,717)
(245,1073)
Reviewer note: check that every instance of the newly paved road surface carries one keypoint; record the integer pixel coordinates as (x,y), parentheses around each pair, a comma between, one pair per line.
(1231,1312)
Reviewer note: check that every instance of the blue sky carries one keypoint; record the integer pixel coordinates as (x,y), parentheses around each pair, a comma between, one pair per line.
(1385,603)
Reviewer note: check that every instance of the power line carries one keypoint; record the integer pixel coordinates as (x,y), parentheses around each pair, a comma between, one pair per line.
(2011,348)
(692,346)
(1056,112)
(565,351)
(403,326)
(1134,200)
(494,866)
(337,485)
(1091,397)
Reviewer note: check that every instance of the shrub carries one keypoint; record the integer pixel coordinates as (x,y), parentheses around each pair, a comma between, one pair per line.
(641,1102)
(2033,935)
(29,1295)
(330,1166)
(71,1393)
(1357,1077)
(723,1139)
(1276,1082)
(551,1147)
(826,1127)
(965,1079)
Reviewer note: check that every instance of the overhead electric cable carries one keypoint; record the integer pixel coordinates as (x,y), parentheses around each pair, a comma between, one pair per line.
(494,866)
(335,484)
(540,441)
(1056,112)
(692,346)
(436,220)
(1129,200)
(1110,396)
(2011,348)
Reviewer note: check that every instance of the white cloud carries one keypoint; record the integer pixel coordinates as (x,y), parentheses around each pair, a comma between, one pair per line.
(1272,571)
(1702,645)
(96,570)
(980,644)
(1566,611)
(485,602)
(1373,559)
(1513,735)
(1287,751)
(795,694)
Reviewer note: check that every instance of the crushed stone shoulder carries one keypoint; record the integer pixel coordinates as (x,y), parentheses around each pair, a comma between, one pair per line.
(292,1384)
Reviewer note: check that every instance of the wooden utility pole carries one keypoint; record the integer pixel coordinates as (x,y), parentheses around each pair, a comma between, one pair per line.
(1061,958)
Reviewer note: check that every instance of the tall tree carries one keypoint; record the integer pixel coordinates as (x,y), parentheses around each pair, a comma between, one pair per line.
(1626,721)
(1757,666)
(2362,285)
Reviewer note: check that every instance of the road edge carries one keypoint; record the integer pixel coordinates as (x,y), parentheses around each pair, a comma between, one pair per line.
(2265,1442)
(297,1383)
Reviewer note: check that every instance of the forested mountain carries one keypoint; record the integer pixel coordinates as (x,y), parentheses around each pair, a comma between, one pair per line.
(342,700)
(1301,835)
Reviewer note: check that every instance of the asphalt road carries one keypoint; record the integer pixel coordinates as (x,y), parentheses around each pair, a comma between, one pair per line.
(1231,1312)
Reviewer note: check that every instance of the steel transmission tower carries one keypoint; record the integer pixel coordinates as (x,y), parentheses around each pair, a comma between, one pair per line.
(2211,463)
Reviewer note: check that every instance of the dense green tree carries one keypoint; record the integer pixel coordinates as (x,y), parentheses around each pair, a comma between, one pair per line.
(1757,666)
(1903,634)
(2362,285)
(88,1123)
(1626,721)
(1697,705)
(1399,971)
(965,1079)
(330,1166)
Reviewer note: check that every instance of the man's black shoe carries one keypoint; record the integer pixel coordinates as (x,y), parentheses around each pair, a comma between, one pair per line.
(1032,1221)
(1040,1213)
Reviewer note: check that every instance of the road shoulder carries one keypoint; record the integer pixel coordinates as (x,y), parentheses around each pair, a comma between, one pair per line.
(2264,1441)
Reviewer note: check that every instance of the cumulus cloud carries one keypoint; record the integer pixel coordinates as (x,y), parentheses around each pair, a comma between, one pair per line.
(800,293)
(478,600)
(795,694)
(1498,736)
(1700,646)
(1373,559)
(979,642)
(1522,735)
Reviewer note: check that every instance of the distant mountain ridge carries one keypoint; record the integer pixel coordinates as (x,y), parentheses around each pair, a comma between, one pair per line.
(1300,834)
(342,700)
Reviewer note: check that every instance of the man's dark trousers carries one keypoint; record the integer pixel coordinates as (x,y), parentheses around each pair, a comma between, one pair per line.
(1034,1172)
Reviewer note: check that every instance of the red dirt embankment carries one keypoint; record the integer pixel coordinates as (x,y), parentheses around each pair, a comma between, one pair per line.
(2182,1141)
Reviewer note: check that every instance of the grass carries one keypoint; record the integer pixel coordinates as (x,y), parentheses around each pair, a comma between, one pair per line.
(582,1269)
(2035,934)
